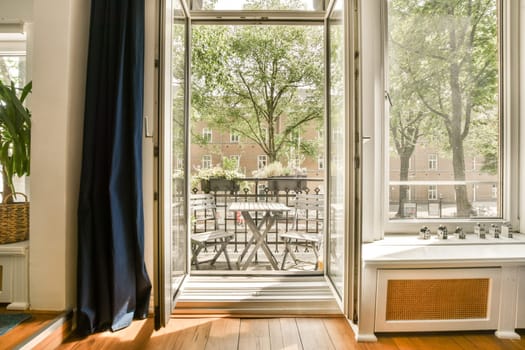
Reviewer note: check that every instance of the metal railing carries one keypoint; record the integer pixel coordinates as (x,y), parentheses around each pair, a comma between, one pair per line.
(268,191)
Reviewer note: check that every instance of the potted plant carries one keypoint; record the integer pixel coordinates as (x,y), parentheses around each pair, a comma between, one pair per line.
(15,139)
(281,178)
(219,178)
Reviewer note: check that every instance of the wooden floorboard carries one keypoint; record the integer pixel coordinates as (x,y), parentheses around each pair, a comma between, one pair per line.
(216,333)
(314,335)
(26,329)
(254,334)
(224,334)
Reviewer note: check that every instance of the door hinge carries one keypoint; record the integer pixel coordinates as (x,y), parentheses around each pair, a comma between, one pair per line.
(157,63)
(155,196)
(357,163)
(156,151)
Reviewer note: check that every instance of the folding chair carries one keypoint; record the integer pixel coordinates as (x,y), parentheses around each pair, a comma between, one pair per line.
(204,214)
(308,217)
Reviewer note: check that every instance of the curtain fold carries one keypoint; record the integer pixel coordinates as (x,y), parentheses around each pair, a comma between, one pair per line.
(113,285)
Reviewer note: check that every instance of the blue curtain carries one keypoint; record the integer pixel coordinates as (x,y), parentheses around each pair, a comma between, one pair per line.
(113,285)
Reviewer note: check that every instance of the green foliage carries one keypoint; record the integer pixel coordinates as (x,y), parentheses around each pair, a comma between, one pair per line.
(15,132)
(261,82)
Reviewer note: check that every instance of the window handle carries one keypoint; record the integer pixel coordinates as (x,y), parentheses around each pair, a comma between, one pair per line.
(147,132)
(387,96)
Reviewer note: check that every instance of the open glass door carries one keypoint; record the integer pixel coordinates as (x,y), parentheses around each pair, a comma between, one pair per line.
(173,92)
(340,206)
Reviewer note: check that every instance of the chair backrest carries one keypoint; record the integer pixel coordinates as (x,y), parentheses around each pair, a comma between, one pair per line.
(202,201)
(309,209)
(203,209)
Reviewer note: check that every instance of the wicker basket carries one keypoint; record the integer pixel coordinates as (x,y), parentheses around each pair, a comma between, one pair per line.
(14,220)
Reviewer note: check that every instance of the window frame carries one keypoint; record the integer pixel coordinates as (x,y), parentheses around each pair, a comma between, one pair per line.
(432,161)
(260,161)
(432,192)
(237,158)
(207,134)
(235,138)
(205,160)
(509,108)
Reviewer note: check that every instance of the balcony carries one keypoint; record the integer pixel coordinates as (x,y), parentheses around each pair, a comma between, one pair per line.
(310,221)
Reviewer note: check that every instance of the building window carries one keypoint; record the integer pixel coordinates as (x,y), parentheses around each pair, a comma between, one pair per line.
(432,193)
(432,108)
(432,161)
(234,137)
(206,161)
(262,161)
(179,162)
(320,162)
(237,159)
(207,135)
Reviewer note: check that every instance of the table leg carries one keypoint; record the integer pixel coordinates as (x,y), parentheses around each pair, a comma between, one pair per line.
(259,237)
(250,223)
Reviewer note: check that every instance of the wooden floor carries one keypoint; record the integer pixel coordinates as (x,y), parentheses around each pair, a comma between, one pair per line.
(26,329)
(275,333)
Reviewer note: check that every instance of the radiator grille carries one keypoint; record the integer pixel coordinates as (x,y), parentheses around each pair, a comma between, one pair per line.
(437,299)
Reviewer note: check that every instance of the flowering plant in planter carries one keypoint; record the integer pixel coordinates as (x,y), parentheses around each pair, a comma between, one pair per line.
(218,178)
(277,169)
(281,178)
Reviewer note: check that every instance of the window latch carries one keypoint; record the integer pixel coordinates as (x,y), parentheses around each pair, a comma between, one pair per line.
(387,96)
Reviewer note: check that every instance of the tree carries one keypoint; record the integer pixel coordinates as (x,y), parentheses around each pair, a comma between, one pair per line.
(405,132)
(452,47)
(264,83)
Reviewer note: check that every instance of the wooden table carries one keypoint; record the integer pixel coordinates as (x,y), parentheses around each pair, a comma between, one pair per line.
(270,209)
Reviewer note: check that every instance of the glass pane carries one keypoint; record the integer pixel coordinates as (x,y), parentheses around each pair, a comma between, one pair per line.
(305,5)
(336,232)
(178,85)
(13,69)
(443,75)
(265,85)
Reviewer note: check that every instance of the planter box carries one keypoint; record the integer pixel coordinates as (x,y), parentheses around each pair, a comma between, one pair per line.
(219,185)
(283,183)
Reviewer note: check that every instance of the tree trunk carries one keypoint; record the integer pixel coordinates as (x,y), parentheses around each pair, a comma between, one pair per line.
(456,137)
(464,208)
(403,176)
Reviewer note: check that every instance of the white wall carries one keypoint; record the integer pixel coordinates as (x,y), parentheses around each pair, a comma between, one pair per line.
(16,10)
(59,65)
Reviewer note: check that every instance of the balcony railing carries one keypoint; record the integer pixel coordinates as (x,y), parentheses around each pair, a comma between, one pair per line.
(267,191)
